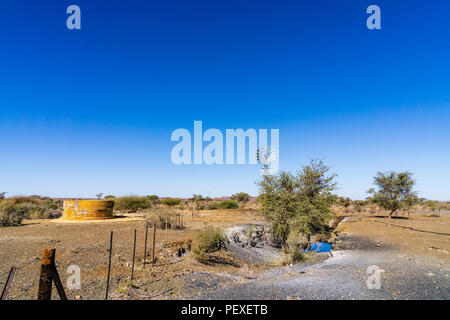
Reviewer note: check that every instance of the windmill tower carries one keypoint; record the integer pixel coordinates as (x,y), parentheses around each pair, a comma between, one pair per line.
(265,155)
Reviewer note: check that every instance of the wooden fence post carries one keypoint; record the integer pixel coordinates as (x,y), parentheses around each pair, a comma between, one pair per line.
(46,276)
(8,283)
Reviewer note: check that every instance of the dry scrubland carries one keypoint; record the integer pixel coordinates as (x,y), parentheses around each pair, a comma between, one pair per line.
(86,244)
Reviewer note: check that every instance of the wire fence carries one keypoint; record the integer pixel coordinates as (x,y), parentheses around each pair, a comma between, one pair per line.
(23,290)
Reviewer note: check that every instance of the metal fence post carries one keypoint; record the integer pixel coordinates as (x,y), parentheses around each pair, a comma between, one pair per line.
(134,253)
(109,265)
(145,246)
(154,240)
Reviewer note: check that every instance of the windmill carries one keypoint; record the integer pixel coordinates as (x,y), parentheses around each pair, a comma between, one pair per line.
(265,155)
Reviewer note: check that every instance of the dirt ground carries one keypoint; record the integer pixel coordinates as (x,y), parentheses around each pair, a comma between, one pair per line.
(86,245)
(424,235)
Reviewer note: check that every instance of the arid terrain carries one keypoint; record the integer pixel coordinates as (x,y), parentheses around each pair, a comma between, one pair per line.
(414,254)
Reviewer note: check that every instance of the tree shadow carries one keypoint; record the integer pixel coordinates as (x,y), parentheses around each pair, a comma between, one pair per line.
(393,217)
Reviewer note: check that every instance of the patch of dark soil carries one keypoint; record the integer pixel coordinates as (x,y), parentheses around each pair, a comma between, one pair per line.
(344,241)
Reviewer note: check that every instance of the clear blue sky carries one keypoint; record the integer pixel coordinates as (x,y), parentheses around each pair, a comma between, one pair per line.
(92,110)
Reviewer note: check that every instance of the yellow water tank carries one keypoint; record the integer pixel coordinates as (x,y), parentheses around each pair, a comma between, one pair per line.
(88,209)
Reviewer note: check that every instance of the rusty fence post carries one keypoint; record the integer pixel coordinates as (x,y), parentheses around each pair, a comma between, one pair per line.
(8,283)
(145,245)
(46,275)
(154,240)
(109,265)
(134,253)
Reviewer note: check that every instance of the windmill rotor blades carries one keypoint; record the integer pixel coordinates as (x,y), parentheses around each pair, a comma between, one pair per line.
(265,155)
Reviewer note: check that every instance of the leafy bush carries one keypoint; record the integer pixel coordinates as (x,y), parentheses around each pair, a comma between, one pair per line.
(213,206)
(8,219)
(171,201)
(210,240)
(9,216)
(298,203)
(131,203)
(153,197)
(296,255)
(228,204)
(295,244)
(52,205)
(435,207)
(14,210)
(241,197)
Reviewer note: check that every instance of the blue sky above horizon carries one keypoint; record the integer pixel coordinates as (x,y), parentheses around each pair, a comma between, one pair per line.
(92,110)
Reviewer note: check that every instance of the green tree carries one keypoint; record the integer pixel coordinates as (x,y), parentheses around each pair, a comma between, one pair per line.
(435,207)
(2,195)
(299,204)
(196,199)
(393,190)
(410,202)
(241,197)
(359,205)
(152,197)
(345,202)
(228,204)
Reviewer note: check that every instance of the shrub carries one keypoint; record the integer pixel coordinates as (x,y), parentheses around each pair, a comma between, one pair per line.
(152,197)
(298,203)
(16,200)
(210,240)
(295,244)
(213,206)
(14,210)
(8,219)
(165,217)
(296,256)
(131,203)
(435,207)
(228,204)
(241,197)
(52,205)
(171,201)
(9,216)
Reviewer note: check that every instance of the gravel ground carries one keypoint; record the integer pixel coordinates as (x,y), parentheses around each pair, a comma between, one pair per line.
(342,276)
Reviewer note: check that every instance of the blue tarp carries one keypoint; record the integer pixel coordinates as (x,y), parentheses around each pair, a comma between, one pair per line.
(320,247)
